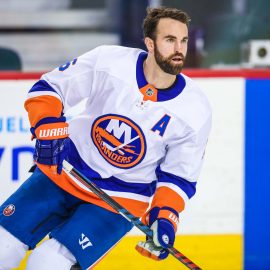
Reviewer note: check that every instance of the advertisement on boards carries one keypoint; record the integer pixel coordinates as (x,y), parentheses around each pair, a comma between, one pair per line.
(16,147)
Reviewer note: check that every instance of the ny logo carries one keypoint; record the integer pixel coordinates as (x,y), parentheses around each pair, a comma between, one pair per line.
(119,129)
(84,242)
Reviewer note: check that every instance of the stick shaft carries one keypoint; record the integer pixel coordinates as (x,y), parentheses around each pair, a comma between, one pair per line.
(69,169)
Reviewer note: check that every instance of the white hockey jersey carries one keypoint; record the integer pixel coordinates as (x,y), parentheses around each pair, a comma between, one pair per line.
(132,140)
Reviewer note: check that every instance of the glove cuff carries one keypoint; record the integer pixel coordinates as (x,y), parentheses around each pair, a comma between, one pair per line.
(50,128)
(169,215)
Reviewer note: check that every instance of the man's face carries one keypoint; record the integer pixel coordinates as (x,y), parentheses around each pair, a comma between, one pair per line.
(170,45)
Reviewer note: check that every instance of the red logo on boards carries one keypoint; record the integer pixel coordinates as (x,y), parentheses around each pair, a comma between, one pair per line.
(9,210)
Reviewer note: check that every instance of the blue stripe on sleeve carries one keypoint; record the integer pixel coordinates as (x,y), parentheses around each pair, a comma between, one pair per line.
(188,187)
(41,85)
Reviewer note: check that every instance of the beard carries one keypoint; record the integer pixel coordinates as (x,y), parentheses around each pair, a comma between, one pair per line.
(166,63)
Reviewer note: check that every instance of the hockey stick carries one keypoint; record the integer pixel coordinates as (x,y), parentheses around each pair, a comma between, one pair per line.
(70,170)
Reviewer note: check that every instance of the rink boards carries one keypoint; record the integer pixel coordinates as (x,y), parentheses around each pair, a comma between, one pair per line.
(220,216)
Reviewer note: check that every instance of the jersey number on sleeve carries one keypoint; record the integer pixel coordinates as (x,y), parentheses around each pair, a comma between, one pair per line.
(65,66)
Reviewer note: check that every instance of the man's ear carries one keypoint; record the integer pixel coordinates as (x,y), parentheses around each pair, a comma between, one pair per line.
(149,43)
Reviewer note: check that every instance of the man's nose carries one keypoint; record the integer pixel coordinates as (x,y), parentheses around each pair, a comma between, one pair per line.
(178,47)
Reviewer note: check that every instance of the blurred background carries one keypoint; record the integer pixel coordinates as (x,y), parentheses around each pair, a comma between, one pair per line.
(226,225)
(41,34)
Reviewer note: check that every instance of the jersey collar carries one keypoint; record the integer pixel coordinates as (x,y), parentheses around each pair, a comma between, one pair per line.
(150,92)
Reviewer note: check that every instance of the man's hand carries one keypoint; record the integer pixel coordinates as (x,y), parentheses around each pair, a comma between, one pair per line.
(150,250)
(163,222)
(52,141)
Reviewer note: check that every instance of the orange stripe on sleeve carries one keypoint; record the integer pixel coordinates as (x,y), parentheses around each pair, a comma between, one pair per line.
(41,107)
(165,196)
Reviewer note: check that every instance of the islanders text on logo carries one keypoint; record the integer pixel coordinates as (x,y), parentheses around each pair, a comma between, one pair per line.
(119,140)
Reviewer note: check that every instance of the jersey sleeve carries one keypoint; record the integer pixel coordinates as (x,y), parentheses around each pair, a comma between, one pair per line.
(178,173)
(62,88)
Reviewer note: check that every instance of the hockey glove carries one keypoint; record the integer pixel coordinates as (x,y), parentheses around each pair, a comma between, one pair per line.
(52,141)
(163,222)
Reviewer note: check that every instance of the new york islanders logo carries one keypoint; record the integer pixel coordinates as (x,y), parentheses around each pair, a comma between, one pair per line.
(119,140)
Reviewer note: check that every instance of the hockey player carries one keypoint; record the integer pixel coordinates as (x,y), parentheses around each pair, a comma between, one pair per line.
(141,138)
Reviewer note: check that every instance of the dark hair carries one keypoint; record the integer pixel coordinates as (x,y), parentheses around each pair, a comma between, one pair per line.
(155,14)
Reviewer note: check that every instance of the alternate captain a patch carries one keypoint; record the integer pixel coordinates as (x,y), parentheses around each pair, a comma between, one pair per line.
(119,140)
